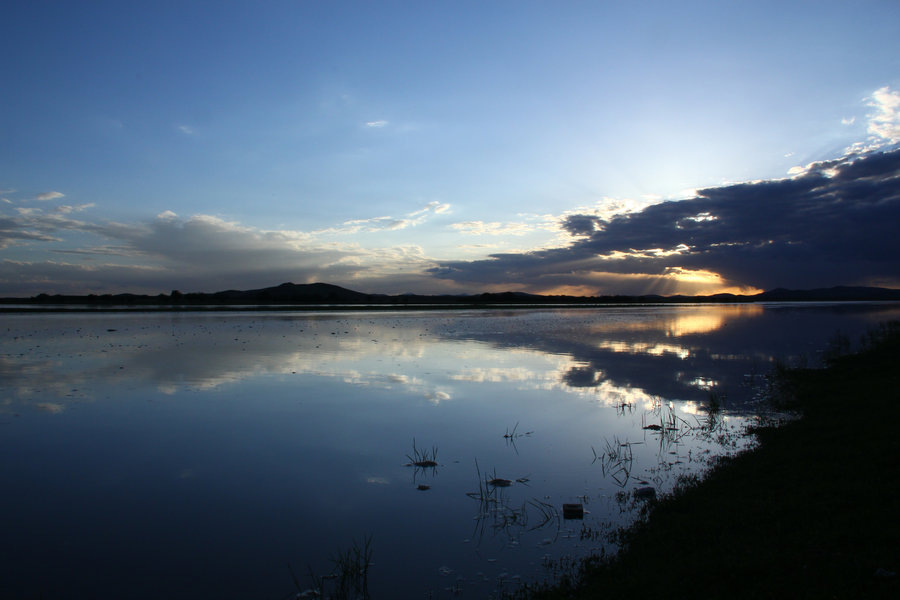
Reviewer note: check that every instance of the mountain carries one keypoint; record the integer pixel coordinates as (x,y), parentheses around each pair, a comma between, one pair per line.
(830,294)
(327,294)
(303,293)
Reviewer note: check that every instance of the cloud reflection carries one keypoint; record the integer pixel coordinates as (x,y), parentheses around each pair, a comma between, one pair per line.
(610,357)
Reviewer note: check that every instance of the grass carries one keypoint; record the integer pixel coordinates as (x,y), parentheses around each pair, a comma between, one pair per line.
(812,512)
(349,577)
(497,511)
(423,459)
(615,460)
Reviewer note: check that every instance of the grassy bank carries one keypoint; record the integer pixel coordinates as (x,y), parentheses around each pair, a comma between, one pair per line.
(814,512)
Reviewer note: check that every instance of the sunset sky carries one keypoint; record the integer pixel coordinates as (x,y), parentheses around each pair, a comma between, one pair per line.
(433,147)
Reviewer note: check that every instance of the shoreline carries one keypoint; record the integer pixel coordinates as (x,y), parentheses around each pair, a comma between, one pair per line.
(260,308)
(809,513)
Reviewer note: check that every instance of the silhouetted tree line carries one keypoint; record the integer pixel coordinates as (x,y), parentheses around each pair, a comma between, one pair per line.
(327,294)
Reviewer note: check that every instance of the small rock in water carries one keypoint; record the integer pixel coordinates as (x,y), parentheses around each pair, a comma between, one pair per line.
(423,487)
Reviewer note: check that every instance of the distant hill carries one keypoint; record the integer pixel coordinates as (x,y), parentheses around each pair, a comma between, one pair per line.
(318,293)
(833,293)
(307,294)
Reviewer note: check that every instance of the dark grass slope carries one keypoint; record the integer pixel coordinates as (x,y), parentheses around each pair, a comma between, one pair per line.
(814,512)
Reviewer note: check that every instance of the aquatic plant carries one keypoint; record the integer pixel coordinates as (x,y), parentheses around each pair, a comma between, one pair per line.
(348,580)
(615,460)
(512,435)
(486,492)
(670,427)
(422,458)
(496,510)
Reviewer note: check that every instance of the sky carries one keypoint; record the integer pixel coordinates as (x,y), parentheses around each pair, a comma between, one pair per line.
(449,147)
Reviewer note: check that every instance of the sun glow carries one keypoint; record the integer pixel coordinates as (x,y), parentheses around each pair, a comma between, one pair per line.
(702,281)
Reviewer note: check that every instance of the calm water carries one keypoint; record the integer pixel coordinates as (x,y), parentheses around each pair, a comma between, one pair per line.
(200,454)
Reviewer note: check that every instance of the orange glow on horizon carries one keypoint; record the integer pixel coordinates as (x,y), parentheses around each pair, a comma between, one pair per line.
(675,281)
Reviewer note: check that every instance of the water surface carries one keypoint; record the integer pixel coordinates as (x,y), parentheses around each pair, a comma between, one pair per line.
(199,454)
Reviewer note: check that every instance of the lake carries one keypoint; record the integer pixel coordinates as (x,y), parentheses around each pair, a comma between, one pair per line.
(224,454)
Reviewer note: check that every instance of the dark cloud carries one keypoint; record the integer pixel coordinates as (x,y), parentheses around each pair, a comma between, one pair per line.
(11,231)
(48,250)
(581,224)
(834,224)
(200,253)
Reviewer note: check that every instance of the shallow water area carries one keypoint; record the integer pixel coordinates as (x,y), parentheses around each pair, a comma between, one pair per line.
(210,454)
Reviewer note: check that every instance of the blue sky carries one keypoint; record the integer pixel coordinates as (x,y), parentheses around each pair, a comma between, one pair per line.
(440,146)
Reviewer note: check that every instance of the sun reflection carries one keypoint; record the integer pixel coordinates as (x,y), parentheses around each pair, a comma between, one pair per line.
(707,321)
(674,322)
(703,383)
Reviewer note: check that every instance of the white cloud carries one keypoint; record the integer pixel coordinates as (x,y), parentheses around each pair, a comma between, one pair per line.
(186,129)
(66,209)
(49,196)
(884,123)
(371,224)
(433,206)
(494,228)
(377,124)
(388,223)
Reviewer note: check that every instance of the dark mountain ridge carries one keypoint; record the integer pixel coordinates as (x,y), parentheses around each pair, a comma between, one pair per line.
(329,294)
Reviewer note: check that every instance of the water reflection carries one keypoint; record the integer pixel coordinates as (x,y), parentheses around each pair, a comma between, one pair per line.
(255,440)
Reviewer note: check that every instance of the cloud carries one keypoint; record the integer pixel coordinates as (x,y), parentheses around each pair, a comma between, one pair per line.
(581,224)
(197,253)
(387,223)
(432,207)
(49,196)
(833,224)
(66,209)
(482,228)
(186,129)
(377,124)
(33,224)
(884,123)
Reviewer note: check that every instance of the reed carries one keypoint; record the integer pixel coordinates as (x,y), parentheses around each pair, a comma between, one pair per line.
(424,459)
